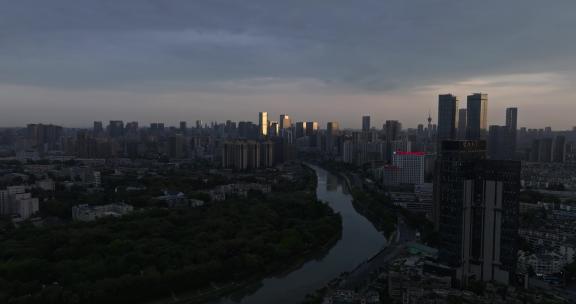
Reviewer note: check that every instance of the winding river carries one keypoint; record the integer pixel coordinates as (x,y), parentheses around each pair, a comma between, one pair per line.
(360,241)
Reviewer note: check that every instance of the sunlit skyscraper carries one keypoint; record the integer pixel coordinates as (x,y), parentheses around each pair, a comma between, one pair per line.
(285,121)
(263,123)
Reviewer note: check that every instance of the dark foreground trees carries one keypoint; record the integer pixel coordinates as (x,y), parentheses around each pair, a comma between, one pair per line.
(154,253)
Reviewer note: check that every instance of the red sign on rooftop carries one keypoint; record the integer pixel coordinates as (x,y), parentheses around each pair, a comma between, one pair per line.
(410,153)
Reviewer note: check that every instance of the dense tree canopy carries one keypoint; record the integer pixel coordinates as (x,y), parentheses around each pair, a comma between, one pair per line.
(157,252)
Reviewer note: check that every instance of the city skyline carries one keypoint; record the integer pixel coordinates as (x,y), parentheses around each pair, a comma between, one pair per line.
(171,61)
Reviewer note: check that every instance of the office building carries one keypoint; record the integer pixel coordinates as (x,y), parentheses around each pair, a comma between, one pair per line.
(477,116)
(447,116)
(263,123)
(476,212)
(285,122)
(366,123)
(462,125)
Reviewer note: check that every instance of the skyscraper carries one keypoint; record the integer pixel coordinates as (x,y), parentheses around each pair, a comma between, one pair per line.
(447,116)
(477,116)
(332,130)
(285,122)
(512,125)
(393,129)
(366,123)
(183,127)
(300,129)
(116,128)
(311,128)
(499,143)
(263,123)
(462,119)
(476,212)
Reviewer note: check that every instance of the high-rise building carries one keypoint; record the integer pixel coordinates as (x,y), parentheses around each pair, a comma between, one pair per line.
(263,123)
(447,116)
(183,127)
(366,123)
(311,128)
(300,129)
(198,124)
(559,150)
(535,151)
(285,122)
(476,212)
(274,128)
(499,143)
(477,116)
(116,128)
(332,132)
(98,128)
(241,155)
(545,151)
(176,146)
(462,125)
(44,137)
(512,125)
(393,129)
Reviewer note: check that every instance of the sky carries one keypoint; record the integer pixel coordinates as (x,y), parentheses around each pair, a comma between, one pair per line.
(70,62)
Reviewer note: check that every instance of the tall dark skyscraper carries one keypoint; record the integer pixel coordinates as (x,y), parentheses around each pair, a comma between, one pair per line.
(447,116)
(477,116)
(499,146)
(476,212)
(512,125)
(332,130)
(462,125)
(366,123)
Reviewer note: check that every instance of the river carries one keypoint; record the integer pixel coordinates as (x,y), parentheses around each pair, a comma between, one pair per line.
(360,241)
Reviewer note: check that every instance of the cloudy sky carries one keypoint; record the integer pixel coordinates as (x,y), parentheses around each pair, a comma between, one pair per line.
(74,61)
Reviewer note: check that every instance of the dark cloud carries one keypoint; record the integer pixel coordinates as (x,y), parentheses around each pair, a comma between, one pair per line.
(360,45)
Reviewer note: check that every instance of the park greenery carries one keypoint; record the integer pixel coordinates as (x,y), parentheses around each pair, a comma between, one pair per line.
(157,253)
